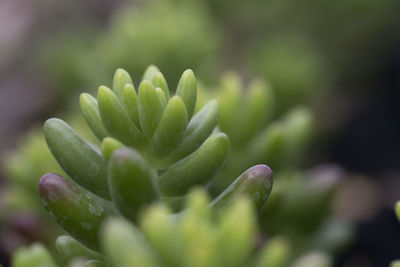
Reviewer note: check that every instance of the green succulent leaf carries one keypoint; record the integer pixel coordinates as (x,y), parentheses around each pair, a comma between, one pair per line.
(163,235)
(268,145)
(229,99)
(255,110)
(255,182)
(125,246)
(199,128)
(35,255)
(72,208)
(109,145)
(68,248)
(116,120)
(159,81)
(150,72)
(276,253)
(131,103)
(79,159)
(90,111)
(298,130)
(132,182)
(162,97)
(196,169)
(238,229)
(150,108)
(170,130)
(121,79)
(187,90)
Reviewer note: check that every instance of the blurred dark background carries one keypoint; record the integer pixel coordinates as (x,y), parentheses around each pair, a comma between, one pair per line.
(340,57)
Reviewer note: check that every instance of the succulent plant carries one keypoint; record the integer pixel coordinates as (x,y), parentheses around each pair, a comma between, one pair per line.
(22,215)
(154,148)
(195,237)
(248,116)
(300,206)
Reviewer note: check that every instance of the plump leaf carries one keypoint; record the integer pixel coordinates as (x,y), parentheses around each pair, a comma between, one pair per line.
(276,253)
(196,169)
(131,103)
(116,120)
(90,111)
(158,80)
(84,164)
(121,79)
(254,111)
(132,182)
(150,108)
(170,130)
(187,90)
(68,248)
(109,145)
(199,128)
(255,182)
(125,246)
(163,235)
(32,256)
(72,208)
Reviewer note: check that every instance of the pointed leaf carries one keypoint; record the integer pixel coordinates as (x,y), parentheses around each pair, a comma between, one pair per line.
(150,72)
(116,120)
(162,97)
(170,130)
(150,108)
(121,79)
(199,128)
(187,90)
(131,103)
(90,111)
(158,80)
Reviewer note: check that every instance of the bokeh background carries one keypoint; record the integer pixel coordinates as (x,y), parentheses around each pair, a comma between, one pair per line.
(341,58)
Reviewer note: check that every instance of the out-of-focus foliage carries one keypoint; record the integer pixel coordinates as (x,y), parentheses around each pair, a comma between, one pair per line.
(174,35)
(248,114)
(301,203)
(24,218)
(300,208)
(294,65)
(195,237)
